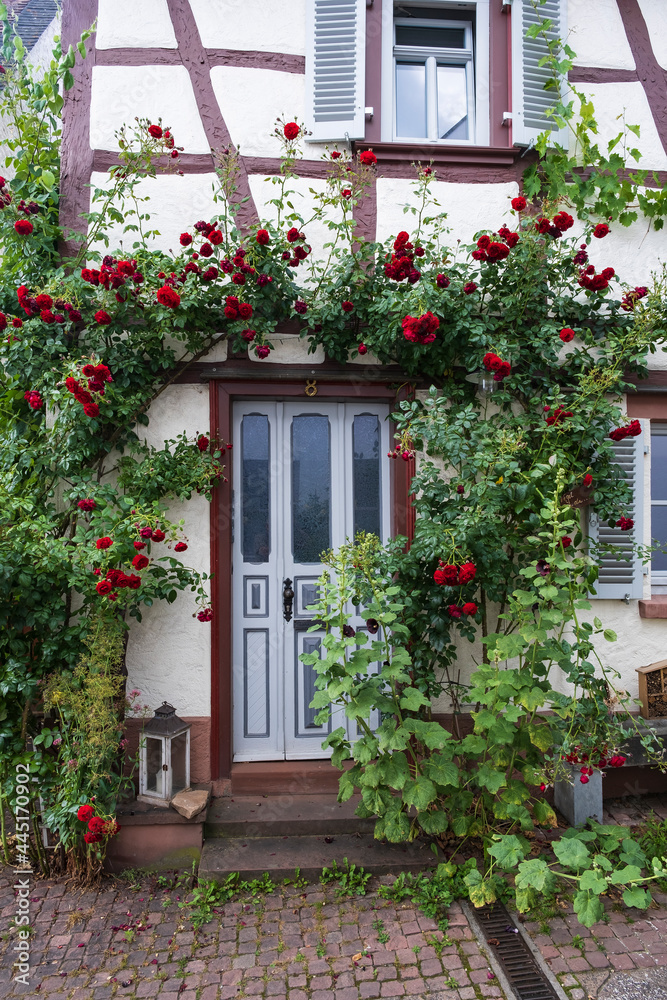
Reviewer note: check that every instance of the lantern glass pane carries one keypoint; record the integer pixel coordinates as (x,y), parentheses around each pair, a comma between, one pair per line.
(178,763)
(154,772)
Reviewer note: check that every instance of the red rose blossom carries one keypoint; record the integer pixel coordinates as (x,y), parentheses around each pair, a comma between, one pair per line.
(84,813)
(104,587)
(23,227)
(291,131)
(347,306)
(86,504)
(158,535)
(362,349)
(625,523)
(262,237)
(588,480)
(470,608)
(368,158)
(102,317)
(601,230)
(454,611)
(262,351)
(566,541)
(519,203)
(155,131)
(140,562)
(205,616)
(168,296)
(91,409)
(104,543)
(92,838)
(180,547)
(185,239)
(335,155)
(245,310)
(467,572)
(442,281)
(346,193)
(566,334)
(420,329)
(470,287)
(202,442)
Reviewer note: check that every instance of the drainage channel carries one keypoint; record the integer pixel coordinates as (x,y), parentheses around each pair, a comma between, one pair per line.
(513,954)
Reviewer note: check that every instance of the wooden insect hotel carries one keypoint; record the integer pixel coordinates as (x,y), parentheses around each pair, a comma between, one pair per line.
(653,690)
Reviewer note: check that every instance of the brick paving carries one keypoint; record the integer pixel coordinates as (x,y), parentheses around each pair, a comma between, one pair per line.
(299,943)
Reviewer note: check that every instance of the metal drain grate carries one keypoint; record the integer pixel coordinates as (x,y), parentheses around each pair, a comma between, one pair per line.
(514,955)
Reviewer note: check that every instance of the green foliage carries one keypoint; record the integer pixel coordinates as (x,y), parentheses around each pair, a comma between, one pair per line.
(207,897)
(432,892)
(350,880)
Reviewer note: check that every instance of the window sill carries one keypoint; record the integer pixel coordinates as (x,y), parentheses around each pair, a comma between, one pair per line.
(405,153)
(656,607)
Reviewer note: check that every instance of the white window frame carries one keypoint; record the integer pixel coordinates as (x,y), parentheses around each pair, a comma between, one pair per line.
(658,577)
(477,71)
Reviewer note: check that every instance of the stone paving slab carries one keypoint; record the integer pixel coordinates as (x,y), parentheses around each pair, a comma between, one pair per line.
(300,943)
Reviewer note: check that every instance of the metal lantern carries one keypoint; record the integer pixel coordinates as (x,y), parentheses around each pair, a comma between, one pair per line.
(164,762)
(484,381)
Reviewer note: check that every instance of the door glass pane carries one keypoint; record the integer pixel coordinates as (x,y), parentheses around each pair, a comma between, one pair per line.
(452,102)
(311,487)
(659,466)
(441,38)
(659,532)
(411,100)
(366,473)
(255,483)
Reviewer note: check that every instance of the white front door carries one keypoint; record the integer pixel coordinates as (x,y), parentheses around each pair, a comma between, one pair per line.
(306,476)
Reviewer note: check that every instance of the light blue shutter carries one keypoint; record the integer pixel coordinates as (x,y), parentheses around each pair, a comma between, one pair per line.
(529,98)
(335,69)
(623,578)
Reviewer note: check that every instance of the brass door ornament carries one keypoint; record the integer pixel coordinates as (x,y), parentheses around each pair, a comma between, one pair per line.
(311,387)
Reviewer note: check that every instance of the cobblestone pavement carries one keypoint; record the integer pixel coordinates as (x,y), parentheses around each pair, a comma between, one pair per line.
(298,943)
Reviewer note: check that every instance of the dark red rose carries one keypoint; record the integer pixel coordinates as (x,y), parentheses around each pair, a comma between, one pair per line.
(566,541)
(180,547)
(91,409)
(454,611)
(140,562)
(442,281)
(158,535)
(566,334)
(420,329)
(248,335)
(205,615)
(139,545)
(563,221)
(87,504)
(185,239)
(601,230)
(362,349)
(104,587)
(102,317)
(346,193)
(23,227)
(300,306)
(467,572)
(347,306)
(262,237)
(469,608)
(368,158)
(202,442)
(588,480)
(291,131)
(470,287)
(17,323)
(104,543)
(262,351)
(155,131)
(335,155)
(245,310)
(168,296)
(215,237)
(625,523)
(206,250)
(84,813)
(519,203)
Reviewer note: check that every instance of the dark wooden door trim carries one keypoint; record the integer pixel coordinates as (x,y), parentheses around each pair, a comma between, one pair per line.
(223,395)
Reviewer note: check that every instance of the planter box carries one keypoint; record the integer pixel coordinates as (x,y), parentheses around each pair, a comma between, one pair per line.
(578,802)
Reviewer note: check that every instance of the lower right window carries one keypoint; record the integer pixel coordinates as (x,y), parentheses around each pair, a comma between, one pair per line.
(659,506)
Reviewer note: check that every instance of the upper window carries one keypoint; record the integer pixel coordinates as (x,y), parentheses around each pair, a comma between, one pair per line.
(434,75)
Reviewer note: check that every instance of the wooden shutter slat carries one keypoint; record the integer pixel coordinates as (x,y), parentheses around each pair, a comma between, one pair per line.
(530,100)
(335,69)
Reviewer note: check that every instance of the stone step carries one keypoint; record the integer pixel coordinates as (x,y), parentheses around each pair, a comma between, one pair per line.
(284,816)
(281,856)
(285,777)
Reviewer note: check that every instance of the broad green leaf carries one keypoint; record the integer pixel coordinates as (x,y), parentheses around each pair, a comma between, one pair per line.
(442,771)
(508,851)
(544,815)
(412,699)
(637,897)
(632,853)
(588,907)
(571,853)
(534,872)
(394,770)
(540,735)
(624,875)
(419,793)
(593,880)
(480,890)
(532,698)
(487,777)
(433,822)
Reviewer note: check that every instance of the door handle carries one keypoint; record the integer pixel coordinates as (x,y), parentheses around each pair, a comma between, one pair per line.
(288,597)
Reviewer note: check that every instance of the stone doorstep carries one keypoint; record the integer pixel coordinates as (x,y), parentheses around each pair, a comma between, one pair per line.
(280,856)
(136,813)
(284,815)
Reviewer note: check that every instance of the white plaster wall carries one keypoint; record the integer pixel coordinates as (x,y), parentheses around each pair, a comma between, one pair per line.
(176,203)
(611,101)
(584,22)
(41,53)
(264,25)
(655,16)
(169,651)
(122,93)
(128,24)
(250,101)
(468,207)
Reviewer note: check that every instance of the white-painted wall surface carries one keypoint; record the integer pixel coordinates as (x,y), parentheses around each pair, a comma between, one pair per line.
(252,25)
(128,24)
(654,13)
(584,25)
(169,652)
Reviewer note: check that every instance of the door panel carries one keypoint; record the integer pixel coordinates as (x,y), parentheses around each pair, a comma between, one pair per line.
(307,475)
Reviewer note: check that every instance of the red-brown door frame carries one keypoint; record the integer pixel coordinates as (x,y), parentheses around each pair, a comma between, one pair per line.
(222,398)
